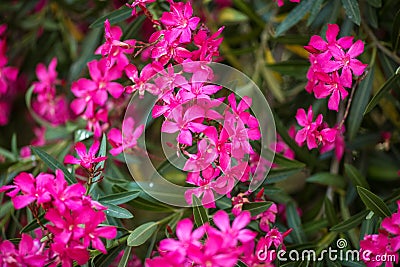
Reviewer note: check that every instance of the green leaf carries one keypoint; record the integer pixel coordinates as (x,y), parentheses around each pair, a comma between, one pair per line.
(294,222)
(126,257)
(256,208)
(105,260)
(277,175)
(294,16)
(360,101)
(53,164)
(355,176)
(116,16)
(81,135)
(391,83)
(199,212)
(352,10)
(285,163)
(14,146)
(375,3)
(396,32)
(326,178)
(141,234)
(330,212)
(373,202)
(120,198)
(314,11)
(7,154)
(34,224)
(116,211)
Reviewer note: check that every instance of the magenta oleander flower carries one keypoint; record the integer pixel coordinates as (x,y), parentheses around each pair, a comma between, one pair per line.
(141,83)
(187,237)
(87,159)
(98,122)
(113,48)
(392,223)
(30,253)
(92,232)
(233,234)
(32,189)
(310,128)
(372,247)
(206,154)
(346,61)
(139,3)
(318,44)
(331,85)
(127,139)
(206,186)
(185,122)
(47,78)
(208,44)
(179,22)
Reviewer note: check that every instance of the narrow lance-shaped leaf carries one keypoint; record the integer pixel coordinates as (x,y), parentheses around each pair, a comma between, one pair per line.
(116,211)
(120,198)
(53,164)
(256,208)
(352,10)
(391,83)
(355,176)
(294,16)
(360,101)
(373,202)
(141,234)
(350,223)
(199,212)
(116,16)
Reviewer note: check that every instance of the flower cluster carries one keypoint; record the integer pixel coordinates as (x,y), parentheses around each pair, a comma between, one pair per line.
(220,245)
(31,252)
(48,105)
(333,63)
(8,76)
(73,220)
(385,243)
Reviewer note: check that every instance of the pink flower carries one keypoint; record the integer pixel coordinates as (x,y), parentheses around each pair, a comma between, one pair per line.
(125,140)
(87,160)
(32,189)
(185,122)
(139,3)
(317,44)
(115,49)
(30,253)
(208,44)
(52,108)
(372,247)
(206,186)
(310,128)
(47,78)
(330,85)
(347,61)
(232,234)
(186,238)
(179,22)
(141,83)
(98,122)
(206,154)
